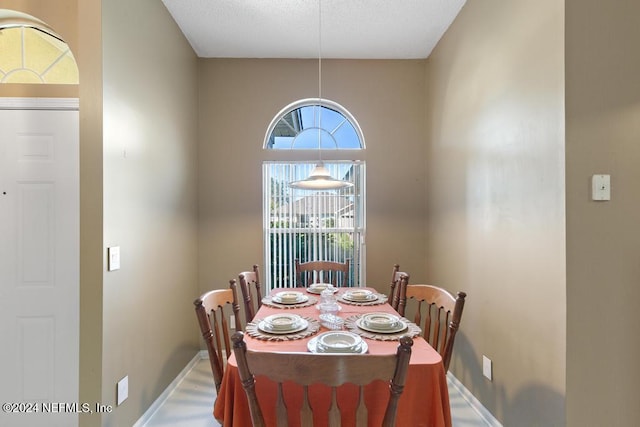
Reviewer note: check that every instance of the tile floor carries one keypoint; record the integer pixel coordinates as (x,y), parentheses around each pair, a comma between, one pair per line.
(191,403)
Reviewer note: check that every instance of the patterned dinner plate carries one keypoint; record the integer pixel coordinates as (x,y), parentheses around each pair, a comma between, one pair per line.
(284,322)
(287,298)
(317,288)
(360,296)
(401,326)
(265,326)
(314,347)
(380,321)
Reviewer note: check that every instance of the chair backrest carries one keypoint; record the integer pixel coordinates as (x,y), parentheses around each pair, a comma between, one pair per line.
(336,273)
(395,287)
(251,289)
(212,311)
(332,370)
(438,313)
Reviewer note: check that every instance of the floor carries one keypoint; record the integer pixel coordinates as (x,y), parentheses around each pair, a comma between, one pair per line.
(190,404)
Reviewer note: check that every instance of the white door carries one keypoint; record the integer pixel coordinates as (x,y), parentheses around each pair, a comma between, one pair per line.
(39,267)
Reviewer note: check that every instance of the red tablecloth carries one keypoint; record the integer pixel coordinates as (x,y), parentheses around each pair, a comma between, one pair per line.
(424,402)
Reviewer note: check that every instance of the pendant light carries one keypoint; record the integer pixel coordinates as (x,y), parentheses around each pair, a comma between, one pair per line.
(320,178)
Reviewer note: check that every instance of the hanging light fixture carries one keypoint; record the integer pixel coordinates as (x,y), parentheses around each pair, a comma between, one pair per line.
(320,178)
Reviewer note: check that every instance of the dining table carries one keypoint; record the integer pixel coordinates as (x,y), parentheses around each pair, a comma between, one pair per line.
(425,398)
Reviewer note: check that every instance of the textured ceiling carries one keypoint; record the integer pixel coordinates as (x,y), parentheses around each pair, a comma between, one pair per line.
(355,29)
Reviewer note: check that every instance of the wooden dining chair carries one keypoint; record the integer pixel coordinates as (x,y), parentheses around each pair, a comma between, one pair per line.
(251,289)
(213,310)
(395,287)
(438,313)
(332,370)
(336,273)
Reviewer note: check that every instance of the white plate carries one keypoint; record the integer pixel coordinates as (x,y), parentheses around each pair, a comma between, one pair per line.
(299,295)
(313,343)
(317,288)
(284,322)
(399,328)
(380,321)
(367,297)
(340,342)
(264,327)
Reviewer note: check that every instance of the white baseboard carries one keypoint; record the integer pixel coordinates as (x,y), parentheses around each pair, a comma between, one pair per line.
(144,419)
(475,404)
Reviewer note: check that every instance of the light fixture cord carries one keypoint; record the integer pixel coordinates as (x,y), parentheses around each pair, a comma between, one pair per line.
(320,80)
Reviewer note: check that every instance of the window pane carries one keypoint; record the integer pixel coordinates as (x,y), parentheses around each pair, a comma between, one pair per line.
(32,56)
(331,119)
(348,137)
(312,225)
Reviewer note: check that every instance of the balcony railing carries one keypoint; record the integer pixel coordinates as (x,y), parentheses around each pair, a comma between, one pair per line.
(309,244)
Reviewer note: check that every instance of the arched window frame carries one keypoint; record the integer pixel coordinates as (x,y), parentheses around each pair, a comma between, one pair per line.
(325,104)
(288,228)
(33,52)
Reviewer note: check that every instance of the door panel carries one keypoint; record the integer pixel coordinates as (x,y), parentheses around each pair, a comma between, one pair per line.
(39,268)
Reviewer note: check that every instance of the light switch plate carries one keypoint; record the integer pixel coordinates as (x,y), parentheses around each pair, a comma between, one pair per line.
(123,390)
(113,255)
(487,370)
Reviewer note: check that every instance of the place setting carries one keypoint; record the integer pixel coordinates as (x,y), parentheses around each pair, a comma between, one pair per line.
(282,327)
(381,326)
(317,288)
(289,299)
(362,297)
(337,342)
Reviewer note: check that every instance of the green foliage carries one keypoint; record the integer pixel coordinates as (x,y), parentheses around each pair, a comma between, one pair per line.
(279,194)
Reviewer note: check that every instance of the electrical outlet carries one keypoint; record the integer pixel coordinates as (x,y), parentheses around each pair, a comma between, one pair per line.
(487,368)
(123,390)
(601,187)
(232,320)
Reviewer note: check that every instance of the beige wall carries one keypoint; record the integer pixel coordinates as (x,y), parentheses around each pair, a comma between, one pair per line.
(238,100)
(491,201)
(150,124)
(603,238)
(92,256)
(495,195)
(131,325)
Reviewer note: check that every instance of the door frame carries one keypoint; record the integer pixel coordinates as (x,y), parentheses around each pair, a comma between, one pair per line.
(57,104)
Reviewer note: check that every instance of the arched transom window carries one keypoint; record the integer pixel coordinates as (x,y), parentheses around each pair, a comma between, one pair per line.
(31,52)
(298,125)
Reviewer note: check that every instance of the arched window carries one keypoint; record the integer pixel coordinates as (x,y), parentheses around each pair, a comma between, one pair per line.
(308,225)
(298,125)
(32,52)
